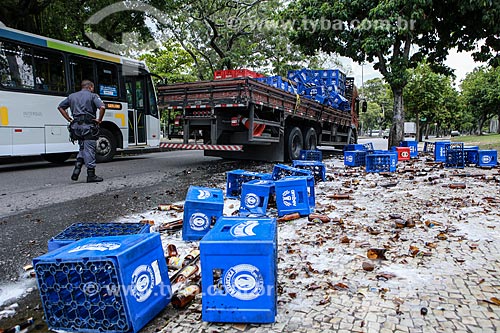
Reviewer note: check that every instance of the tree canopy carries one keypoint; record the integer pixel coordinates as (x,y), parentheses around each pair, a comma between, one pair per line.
(395,35)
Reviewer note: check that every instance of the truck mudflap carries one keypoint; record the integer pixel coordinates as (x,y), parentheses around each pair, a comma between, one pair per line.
(201,147)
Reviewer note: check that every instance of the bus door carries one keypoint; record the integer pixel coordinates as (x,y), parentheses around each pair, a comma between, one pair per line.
(136,94)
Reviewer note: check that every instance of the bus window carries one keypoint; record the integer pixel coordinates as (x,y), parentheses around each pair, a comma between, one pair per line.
(107,80)
(153,108)
(81,69)
(16,66)
(49,70)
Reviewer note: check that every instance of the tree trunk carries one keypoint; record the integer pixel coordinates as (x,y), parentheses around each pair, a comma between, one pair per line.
(418,137)
(396,134)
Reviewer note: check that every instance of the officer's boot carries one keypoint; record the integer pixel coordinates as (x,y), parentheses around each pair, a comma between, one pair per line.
(78,169)
(92,178)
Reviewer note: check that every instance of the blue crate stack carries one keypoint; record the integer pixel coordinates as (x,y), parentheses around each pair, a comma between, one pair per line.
(202,207)
(311,155)
(239,271)
(104,284)
(326,86)
(236,178)
(79,231)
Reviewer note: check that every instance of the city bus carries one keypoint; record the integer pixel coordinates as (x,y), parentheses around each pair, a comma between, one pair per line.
(37,73)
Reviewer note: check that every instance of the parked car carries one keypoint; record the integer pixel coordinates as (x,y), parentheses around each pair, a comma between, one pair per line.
(455,133)
(385,134)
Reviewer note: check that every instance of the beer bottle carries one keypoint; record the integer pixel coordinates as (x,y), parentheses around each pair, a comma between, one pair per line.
(191,255)
(186,273)
(183,297)
(172,251)
(457,185)
(170,226)
(289,217)
(174,262)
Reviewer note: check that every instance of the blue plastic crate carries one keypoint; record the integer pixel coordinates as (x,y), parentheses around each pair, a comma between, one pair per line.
(381,162)
(368,146)
(295,195)
(255,196)
(239,271)
(440,151)
(355,158)
(317,168)
(281,171)
(413,145)
(353,147)
(311,155)
(471,154)
(455,157)
(488,158)
(429,147)
(104,284)
(79,231)
(203,206)
(236,178)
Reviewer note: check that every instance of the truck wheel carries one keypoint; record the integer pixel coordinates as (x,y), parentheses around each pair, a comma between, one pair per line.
(106,146)
(311,139)
(294,143)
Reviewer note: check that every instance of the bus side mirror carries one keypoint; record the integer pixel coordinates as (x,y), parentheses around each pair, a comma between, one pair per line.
(364,107)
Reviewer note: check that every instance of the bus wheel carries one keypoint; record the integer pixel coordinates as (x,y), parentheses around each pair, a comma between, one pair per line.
(310,139)
(58,158)
(294,143)
(106,146)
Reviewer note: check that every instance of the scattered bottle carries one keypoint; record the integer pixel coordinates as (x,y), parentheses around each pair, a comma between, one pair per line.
(164,207)
(172,251)
(321,217)
(183,297)
(289,217)
(339,196)
(190,256)
(186,273)
(170,226)
(457,185)
(174,262)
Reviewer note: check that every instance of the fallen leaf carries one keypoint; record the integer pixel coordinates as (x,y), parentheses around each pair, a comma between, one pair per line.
(345,240)
(313,287)
(292,295)
(341,286)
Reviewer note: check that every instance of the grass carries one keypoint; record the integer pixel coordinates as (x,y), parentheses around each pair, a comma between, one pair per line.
(490,141)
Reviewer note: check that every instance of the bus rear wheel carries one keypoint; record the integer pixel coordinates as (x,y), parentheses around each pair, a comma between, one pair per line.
(57,158)
(106,146)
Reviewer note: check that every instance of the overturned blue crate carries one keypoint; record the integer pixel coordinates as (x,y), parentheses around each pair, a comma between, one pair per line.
(281,171)
(471,155)
(355,158)
(236,178)
(440,151)
(295,195)
(488,158)
(455,157)
(255,196)
(318,169)
(353,147)
(381,162)
(104,284)
(413,145)
(79,231)
(311,155)
(239,271)
(429,147)
(203,206)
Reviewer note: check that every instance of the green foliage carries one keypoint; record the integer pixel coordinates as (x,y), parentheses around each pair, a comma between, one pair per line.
(171,62)
(481,94)
(380,99)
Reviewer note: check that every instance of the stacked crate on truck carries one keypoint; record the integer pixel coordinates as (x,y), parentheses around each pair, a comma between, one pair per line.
(242,118)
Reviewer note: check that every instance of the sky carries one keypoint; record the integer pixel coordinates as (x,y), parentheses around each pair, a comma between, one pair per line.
(461,62)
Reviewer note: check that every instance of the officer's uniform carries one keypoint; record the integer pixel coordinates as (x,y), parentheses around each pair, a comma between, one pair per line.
(84,105)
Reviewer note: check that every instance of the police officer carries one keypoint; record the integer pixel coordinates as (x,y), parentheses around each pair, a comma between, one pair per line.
(84,126)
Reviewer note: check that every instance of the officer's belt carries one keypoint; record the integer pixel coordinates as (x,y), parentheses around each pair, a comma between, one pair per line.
(87,119)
